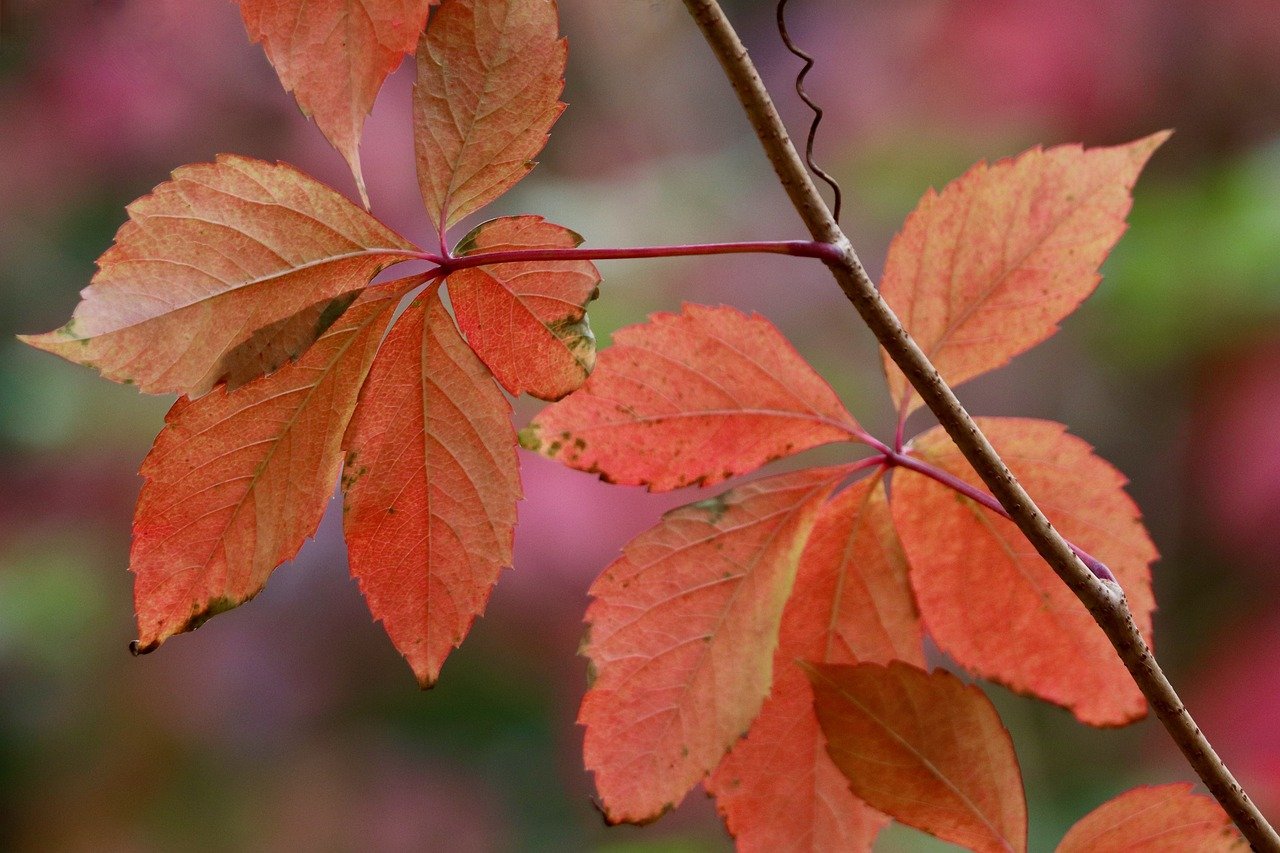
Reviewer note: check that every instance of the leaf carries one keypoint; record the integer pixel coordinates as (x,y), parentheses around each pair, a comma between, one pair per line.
(334,56)
(430,485)
(527,320)
(924,748)
(987,269)
(681,637)
(696,397)
(992,603)
(236,481)
(208,261)
(490,73)
(778,789)
(1153,820)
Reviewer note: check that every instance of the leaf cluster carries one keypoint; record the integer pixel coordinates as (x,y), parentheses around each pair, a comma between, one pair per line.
(767,641)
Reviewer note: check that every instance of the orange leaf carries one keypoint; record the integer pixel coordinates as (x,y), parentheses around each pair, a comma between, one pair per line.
(991,601)
(778,789)
(682,633)
(987,269)
(490,73)
(236,482)
(431,485)
(696,397)
(203,281)
(334,55)
(924,748)
(1154,820)
(527,320)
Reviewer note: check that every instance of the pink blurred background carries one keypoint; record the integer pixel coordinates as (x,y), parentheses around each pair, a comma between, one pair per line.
(291,723)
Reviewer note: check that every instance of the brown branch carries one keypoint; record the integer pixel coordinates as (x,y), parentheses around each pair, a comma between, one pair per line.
(1105,601)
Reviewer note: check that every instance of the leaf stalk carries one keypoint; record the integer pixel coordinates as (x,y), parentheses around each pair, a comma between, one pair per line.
(797,248)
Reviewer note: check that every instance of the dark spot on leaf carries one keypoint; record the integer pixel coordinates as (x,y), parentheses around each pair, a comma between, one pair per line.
(391,510)
(714,507)
(529,438)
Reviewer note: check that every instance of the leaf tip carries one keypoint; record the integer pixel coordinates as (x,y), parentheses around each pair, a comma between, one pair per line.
(358,174)
(1142,149)
(53,341)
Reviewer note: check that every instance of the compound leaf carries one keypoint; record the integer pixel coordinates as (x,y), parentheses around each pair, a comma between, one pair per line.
(682,631)
(987,268)
(778,789)
(527,320)
(236,481)
(695,397)
(431,485)
(490,73)
(992,603)
(226,271)
(924,748)
(334,55)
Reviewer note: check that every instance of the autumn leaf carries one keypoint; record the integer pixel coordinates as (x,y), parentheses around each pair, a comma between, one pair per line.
(209,261)
(1154,820)
(778,789)
(236,481)
(992,603)
(986,269)
(490,73)
(527,321)
(695,397)
(334,56)
(924,748)
(682,631)
(430,485)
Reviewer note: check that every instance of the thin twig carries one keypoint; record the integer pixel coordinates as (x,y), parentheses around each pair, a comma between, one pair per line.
(813,105)
(1105,601)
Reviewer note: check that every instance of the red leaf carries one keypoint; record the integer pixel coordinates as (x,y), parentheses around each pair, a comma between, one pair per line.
(991,601)
(431,485)
(490,73)
(696,397)
(682,633)
(236,482)
(528,320)
(986,269)
(1153,820)
(924,748)
(334,55)
(778,789)
(211,259)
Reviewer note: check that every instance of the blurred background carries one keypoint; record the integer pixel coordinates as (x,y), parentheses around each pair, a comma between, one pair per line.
(291,723)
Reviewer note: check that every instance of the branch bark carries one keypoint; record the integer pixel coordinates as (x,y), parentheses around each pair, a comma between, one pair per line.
(1105,601)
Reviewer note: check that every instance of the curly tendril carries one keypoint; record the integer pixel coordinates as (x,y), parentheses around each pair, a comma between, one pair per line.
(817,110)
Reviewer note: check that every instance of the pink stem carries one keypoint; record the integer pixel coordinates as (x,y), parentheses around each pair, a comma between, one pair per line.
(795,248)
(904,460)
